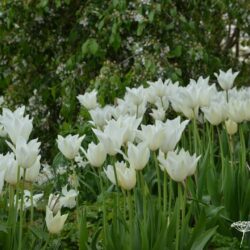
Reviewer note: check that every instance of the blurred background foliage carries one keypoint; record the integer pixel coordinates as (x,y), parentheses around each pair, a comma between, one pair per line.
(53,50)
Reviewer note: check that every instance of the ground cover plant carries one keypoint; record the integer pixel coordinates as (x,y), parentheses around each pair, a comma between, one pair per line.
(164,167)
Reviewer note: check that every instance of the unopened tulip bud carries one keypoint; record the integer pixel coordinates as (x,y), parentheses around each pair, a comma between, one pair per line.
(231,127)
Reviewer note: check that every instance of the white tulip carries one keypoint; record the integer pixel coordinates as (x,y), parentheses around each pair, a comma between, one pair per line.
(55,223)
(172,131)
(9,165)
(26,153)
(226,79)
(179,165)
(15,124)
(88,100)
(216,113)
(96,154)
(33,172)
(54,203)
(100,116)
(126,177)
(109,171)
(70,145)
(158,114)
(138,155)
(151,135)
(112,137)
(68,198)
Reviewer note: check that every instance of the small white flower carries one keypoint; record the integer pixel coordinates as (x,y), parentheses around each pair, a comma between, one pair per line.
(242,226)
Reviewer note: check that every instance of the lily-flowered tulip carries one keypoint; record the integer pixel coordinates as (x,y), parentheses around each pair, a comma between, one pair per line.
(138,155)
(126,177)
(26,153)
(9,165)
(226,79)
(216,112)
(33,172)
(172,131)
(96,154)
(151,135)
(54,203)
(112,137)
(15,124)
(55,223)
(88,100)
(68,198)
(100,116)
(179,165)
(70,145)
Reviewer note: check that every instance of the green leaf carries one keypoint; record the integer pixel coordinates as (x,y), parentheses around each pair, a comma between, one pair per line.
(202,240)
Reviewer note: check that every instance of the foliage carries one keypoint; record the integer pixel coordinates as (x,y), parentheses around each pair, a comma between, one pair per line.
(55,49)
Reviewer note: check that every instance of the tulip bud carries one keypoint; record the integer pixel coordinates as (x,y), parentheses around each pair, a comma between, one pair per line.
(231,127)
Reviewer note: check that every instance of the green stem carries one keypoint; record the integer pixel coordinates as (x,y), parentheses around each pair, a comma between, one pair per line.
(170,198)
(21,213)
(158,179)
(32,204)
(103,209)
(131,218)
(165,193)
(178,217)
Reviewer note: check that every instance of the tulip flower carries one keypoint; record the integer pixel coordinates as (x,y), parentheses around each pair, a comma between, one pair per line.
(26,153)
(112,137)
(126,177)
(151,135)
(54,203)
(55,223)
(9,166)
(15,124)
(33,172)
(96,154)
(158,114)
(70,145)
(100,116)
(179,165)
(226,79)
(172,131)
(138,155)
(216,113)
(68,198)
(88,100)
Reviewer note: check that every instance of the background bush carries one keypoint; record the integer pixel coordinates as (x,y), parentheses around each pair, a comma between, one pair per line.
(50,51)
